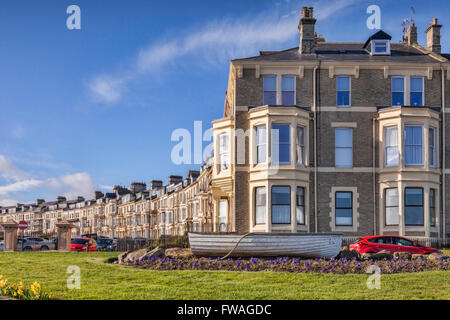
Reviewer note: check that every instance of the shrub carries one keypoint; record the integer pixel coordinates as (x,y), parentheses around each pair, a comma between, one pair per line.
(294,265)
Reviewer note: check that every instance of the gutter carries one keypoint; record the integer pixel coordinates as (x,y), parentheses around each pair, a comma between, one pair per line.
(374,183)
(317,67)
(443,156)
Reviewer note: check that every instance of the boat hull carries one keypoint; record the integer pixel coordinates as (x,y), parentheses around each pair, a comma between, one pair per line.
(307,245)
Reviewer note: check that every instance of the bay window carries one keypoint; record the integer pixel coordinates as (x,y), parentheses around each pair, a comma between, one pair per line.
(261,144)
(260,205)
(413,145)
(281,146)
(432,207)
(300,209)
(432,146)
(224,152)
(391,146)
(281,205)
(414,207)
(301,157)
(391,207)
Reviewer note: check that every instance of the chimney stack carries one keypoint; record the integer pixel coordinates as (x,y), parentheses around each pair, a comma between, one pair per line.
(98,195)
(410,37)
(307,32)
(434,36)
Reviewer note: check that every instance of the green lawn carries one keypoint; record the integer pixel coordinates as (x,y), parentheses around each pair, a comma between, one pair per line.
(100,280)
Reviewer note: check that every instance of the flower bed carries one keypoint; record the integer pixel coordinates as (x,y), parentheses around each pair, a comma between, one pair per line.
(21,291)
(336,266)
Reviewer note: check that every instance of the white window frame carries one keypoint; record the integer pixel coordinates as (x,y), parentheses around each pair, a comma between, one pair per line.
(259,145)
(281,88)
(224,155)
(276,87)
(386,147)
(349,92)
(301,146)
(404,91)
(375,42)
(336,148)
(423,90)
(432,150)
(404,144)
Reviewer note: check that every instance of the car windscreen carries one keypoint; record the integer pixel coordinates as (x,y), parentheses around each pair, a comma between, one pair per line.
(105,241)
(79,241)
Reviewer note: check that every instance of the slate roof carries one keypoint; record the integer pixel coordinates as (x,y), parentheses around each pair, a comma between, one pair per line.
(343,51)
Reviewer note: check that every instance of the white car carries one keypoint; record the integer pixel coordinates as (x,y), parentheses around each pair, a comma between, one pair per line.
(41,244)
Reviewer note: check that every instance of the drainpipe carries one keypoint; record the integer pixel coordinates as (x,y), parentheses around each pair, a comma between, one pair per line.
(315,144)
(443,155)
(374,183)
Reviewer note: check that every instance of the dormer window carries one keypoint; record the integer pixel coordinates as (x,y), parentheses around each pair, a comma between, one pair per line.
(381,47)
(378,44)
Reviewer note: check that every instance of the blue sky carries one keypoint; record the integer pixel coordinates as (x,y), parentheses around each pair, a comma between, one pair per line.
(87,109)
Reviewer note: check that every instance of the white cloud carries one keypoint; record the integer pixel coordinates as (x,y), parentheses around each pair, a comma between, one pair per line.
(8,202)
(20,186)
(217,42)
(10,172)
(70,185)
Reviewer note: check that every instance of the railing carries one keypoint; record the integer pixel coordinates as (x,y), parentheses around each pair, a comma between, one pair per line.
(130,244)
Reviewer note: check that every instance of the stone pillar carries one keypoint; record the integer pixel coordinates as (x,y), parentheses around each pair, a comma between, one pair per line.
(64,235)
(10,230)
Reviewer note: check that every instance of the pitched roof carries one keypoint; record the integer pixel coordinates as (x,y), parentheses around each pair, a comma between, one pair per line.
(343,51)
(380,35)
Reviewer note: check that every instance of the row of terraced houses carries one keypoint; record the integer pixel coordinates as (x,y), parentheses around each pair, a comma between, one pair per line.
(343,137)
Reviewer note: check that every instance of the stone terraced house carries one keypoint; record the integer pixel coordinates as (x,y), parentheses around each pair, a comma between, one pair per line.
(343,137)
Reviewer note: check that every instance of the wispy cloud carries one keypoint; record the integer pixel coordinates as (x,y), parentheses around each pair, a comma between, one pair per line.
(8,202)
(10,172)
(69,185)
(217,42)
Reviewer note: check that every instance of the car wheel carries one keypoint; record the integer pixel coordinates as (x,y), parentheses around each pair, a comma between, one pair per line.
(44,248)
(27,249)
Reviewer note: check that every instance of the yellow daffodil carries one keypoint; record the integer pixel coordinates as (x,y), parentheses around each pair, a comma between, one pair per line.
(37,297)
(15,294)
(21,284)
(20,292)
(37,285)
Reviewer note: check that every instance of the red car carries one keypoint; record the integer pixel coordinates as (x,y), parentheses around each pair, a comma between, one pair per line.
(83,245)
(373,244)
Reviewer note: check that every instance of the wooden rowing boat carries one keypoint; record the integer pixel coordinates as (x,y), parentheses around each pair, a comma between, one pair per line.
(308,245)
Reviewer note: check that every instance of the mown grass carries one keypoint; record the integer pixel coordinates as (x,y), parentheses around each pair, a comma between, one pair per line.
(100,280)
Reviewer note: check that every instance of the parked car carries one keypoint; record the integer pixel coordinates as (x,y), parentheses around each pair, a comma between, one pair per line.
(83,244)
(2,245)
(44,244)
(374,244)
(105,244)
